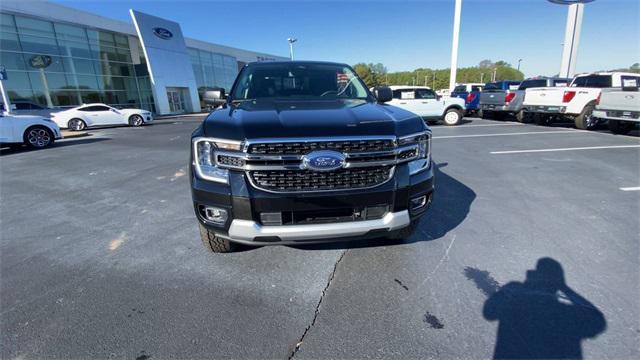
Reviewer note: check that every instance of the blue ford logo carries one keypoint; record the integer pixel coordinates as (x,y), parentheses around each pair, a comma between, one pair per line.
(324,160)
(162,33)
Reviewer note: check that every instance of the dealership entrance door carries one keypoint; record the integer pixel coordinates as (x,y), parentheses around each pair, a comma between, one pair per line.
(176,96)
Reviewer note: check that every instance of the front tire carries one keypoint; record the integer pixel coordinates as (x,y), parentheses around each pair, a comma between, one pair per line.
(136,120)
(452,117)
(38,137)
(620,127)
(586,121)
(76,124)
(214,243)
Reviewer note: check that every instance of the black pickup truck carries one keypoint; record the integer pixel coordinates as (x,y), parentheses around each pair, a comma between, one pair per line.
(302,152)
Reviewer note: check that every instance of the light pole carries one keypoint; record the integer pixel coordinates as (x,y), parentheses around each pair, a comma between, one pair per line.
(291,41)
(519,61)
(481,76)
(454,44)
(571,35)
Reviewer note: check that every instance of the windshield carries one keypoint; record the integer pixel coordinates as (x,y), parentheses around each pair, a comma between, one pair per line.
(298,81)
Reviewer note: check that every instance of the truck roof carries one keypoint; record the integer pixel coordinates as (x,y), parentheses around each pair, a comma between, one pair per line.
(295,62)
(621,73)
(401,87)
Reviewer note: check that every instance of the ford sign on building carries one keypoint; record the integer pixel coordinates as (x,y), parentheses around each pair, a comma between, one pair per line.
(146,63)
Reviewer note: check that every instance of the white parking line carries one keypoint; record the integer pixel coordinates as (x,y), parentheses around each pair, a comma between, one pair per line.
(564,149)
(511,134)
(637,188)
(478,125)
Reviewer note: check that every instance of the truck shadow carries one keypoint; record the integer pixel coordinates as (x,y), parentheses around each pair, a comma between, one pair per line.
(451,203)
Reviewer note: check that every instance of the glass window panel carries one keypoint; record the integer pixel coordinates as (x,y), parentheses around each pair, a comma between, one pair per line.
(16,80)
(87,82)
(64,98)
(74,48)
(106,38)
(12,60)
(37,27)
(70,32)
(89,97)
(123,55)
(230,62)
(118,83)
(7,23)
(81,66)
(20,95)
(9,41)
(39,45)
(121,40)
(57,81)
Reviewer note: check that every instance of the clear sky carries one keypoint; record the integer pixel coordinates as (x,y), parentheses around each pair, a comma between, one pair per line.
(404,35)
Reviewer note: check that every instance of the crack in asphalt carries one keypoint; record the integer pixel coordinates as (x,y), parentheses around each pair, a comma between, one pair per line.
(317,310)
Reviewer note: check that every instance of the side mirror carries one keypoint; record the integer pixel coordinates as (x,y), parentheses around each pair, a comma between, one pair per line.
(438,97)
(383,93)
(214,96)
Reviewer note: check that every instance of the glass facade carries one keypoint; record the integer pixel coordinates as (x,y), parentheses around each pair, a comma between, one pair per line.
(212,69)
(55,64)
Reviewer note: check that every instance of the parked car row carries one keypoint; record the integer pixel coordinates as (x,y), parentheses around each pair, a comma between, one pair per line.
(586,100)
(39,131)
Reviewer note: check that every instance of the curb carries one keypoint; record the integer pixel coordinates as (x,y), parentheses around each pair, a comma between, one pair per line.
(66,134)
(169,117)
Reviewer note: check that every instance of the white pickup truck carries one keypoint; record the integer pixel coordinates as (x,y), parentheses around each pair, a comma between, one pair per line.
(620,107)
(575,102)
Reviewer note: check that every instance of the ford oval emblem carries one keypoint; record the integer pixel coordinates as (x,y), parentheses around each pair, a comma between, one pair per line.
(162,33)
(323,160)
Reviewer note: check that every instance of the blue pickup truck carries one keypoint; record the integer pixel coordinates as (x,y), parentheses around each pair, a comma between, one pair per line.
(471,95)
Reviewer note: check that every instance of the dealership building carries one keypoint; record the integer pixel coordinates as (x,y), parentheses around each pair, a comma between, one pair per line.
(57,56)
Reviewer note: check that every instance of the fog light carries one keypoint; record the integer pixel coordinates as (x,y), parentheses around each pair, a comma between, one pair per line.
(215,215)
(271,218)
(418,203)
(376,212)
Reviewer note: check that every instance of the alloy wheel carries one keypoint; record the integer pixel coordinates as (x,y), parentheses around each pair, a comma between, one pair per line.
(39,137)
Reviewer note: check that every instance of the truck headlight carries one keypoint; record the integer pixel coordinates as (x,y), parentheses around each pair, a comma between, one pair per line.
(203,153)
(423,158)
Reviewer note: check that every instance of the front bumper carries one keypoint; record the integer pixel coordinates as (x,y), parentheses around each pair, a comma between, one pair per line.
(245,204)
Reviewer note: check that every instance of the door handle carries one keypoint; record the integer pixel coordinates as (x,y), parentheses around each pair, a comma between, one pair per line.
(424,102)
(403,102)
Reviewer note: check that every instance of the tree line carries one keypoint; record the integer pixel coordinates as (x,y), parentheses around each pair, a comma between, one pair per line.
(377,74)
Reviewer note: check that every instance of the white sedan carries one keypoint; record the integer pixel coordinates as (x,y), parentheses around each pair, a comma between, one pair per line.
(81,117)
(34,131)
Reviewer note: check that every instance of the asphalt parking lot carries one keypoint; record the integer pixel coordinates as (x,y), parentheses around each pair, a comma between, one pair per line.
(100,257)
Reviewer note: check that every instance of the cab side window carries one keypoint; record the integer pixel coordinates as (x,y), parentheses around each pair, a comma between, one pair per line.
(425,94)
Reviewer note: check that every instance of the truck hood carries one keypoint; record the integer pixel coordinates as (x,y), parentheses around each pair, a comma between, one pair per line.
(299,118)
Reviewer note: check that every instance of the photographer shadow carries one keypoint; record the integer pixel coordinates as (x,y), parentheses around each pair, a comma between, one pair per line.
(542,317)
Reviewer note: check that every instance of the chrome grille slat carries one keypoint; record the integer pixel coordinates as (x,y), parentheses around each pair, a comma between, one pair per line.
(288,181)
(304,147)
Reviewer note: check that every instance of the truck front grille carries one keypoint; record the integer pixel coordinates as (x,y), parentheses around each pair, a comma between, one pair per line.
(304,147)
(305,180)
